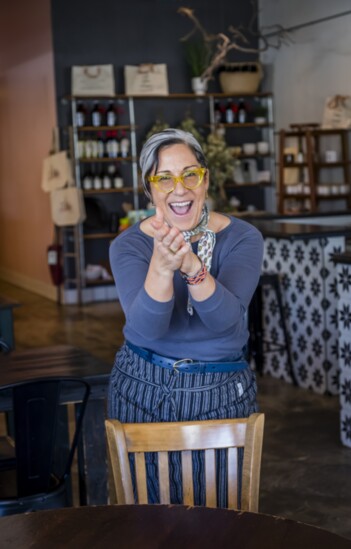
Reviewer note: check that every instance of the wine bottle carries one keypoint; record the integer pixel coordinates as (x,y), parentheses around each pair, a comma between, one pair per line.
(217,112)
(96,115)
(112,145)
(124,145)
(80,115)
(106,181)
(100,145)
(111,115)
(88,181)
(229,112)
(242,112)
(97,181)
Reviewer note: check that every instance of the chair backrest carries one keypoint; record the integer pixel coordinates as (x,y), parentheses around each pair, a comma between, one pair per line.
(40,431)
(185,437)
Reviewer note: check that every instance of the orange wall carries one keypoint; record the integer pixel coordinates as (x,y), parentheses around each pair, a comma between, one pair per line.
(27,118)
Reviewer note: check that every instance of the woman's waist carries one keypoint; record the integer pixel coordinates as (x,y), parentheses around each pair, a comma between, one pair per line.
(189,365)
(215,349)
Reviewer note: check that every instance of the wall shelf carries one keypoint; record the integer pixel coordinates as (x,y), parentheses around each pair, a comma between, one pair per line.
(311,173)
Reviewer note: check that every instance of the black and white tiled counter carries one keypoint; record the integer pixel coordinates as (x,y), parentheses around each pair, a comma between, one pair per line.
(315,274)
(344,324)
(303,255)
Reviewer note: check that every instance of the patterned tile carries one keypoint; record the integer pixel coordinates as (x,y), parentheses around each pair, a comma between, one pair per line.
(309,287)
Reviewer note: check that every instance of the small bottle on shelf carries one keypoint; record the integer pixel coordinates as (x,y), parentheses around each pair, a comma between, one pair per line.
(242,112)
(81,148)
(94,147)
(80,115)
(97,181)
(116,177)
(229,112)
(100,145)
(111,115)
(112,145)
(88,181)
(106,181)
(218,114)
(96,115)
(88,148)
(124,145)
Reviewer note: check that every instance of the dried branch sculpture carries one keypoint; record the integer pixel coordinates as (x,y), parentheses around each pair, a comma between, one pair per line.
(237,38)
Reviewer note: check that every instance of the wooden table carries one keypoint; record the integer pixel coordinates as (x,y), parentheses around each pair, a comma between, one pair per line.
(161,526)
(65,360)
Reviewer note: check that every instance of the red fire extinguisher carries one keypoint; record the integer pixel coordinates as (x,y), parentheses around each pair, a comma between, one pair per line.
(54,252)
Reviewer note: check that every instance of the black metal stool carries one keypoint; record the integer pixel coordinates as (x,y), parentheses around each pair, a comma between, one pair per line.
(258,346)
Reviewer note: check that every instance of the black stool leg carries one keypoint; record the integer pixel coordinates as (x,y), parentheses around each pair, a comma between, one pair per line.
(256,330)
(276,285)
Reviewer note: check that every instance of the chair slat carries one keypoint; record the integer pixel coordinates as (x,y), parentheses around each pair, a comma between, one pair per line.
(210,475)
(163,477)
(187,472)
(232,478)
(227,434)
(140,471)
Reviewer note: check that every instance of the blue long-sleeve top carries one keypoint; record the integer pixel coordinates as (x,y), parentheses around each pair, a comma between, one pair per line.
(218,326)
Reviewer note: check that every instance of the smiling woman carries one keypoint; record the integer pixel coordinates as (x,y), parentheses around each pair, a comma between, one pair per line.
(185,278)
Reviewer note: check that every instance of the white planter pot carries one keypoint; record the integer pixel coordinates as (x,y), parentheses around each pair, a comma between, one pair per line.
(198,85)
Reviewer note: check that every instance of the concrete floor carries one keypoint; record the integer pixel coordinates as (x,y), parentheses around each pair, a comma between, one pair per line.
(306,472)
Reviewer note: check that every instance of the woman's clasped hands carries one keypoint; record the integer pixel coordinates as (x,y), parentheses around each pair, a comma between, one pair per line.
(171,251)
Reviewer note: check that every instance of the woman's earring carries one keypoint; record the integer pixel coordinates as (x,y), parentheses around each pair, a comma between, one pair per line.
(206,195)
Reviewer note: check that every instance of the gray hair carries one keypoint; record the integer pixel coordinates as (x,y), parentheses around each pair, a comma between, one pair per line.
(150,152)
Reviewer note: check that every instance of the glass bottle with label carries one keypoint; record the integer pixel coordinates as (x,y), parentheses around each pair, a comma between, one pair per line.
(96,115)
(229,112)
(88,181)
(111,115)
(124,145)
(97,181)
(100,143)
(218,114)
(242,112)
(88,148)
(80,115)
(117,179)
(112,145)
(106,181)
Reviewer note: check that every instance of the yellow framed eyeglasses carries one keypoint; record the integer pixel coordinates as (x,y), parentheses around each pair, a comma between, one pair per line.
(167,182)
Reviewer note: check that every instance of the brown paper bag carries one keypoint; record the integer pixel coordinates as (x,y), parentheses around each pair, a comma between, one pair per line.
(146,79)
(93,80)
(67,206)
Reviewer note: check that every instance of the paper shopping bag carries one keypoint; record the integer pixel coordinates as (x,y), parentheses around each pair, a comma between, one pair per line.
(146,79)
(56,172)
(93,80)
(337,112)
(67,206)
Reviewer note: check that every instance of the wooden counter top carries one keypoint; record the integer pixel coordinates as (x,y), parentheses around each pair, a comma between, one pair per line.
(296,231)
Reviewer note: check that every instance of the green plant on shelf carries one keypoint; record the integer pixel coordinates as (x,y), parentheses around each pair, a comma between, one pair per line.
(197,54)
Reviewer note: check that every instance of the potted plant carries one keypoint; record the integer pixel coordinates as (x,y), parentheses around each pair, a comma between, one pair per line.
(260,114)
(197,55)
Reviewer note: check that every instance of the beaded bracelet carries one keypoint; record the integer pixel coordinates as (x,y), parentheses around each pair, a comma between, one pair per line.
(196,278)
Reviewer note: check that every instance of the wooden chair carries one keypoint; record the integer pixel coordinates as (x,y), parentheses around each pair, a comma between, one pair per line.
(230,434)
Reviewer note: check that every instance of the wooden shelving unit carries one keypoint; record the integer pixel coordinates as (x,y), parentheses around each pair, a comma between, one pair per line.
(312,185)
(82,246)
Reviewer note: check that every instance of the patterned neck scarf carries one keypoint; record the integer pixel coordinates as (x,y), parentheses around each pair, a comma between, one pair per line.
(205,246)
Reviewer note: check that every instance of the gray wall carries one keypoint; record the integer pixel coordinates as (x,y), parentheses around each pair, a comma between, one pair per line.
(132,32)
